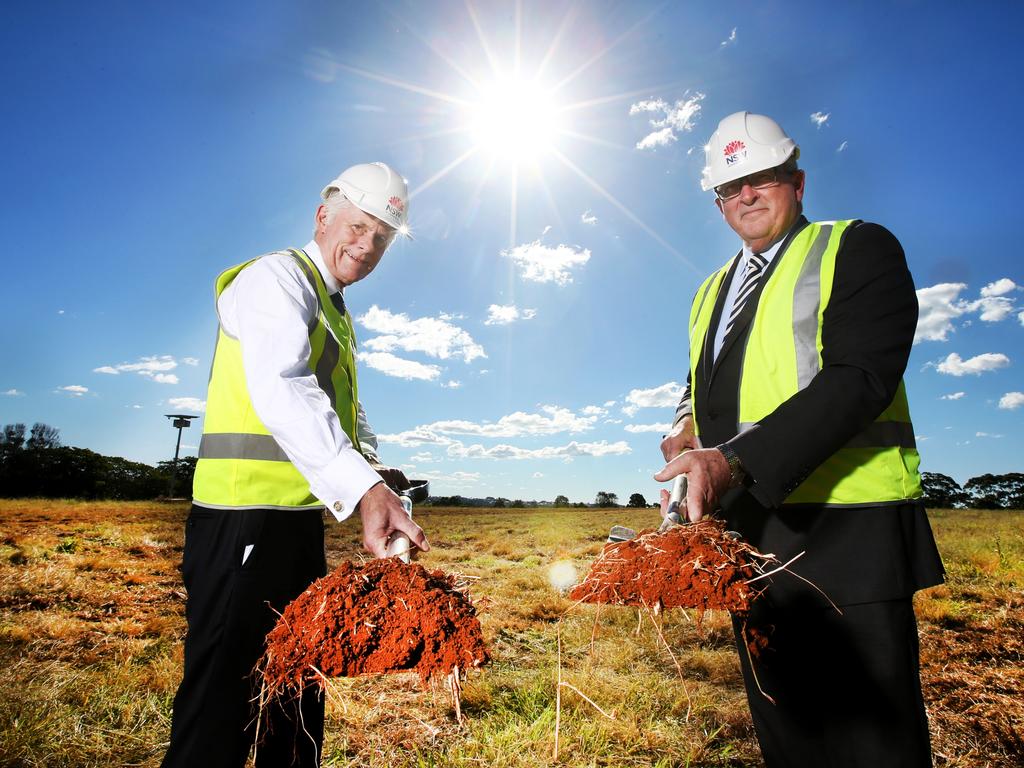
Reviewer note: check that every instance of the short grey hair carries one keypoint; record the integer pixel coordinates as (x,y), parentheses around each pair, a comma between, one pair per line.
(336,202)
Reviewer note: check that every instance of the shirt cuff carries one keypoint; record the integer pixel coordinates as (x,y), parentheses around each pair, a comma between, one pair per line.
(343,482)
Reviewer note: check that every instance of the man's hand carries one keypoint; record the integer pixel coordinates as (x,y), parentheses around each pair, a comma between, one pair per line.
(392,476)
(708,475)
(680,439)
(383,514)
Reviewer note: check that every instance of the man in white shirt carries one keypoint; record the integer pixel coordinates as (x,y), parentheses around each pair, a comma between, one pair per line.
(284,436)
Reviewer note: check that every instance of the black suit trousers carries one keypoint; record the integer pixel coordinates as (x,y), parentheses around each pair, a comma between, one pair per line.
(846,687)
(232,605)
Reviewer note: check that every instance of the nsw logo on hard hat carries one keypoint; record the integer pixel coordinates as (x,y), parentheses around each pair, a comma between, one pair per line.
(395,205)
(735,151)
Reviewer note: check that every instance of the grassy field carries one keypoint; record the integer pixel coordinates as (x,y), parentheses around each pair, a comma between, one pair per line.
(92,616)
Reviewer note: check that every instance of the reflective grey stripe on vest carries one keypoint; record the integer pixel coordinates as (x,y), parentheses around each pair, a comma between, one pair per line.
(806,303)
(238,445)
(332,349)
(881,434)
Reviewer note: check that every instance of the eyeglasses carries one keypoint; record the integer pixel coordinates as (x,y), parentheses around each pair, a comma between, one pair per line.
(759,180)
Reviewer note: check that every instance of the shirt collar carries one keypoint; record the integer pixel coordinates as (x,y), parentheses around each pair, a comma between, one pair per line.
(766,255)
(313,251)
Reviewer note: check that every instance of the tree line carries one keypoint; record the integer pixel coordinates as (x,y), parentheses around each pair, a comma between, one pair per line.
(34,463)
(38,465)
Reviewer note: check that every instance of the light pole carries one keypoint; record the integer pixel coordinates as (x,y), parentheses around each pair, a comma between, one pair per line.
(181,421)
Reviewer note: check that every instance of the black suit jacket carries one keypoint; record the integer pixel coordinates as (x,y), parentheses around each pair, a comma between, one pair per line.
(854,555)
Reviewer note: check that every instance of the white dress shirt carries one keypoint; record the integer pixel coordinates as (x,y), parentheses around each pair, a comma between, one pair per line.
(734,288)
(268,308)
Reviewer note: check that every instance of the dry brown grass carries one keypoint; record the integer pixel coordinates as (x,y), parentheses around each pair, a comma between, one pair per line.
(92,615)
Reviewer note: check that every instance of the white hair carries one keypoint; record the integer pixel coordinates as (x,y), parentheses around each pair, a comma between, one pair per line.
(335,202)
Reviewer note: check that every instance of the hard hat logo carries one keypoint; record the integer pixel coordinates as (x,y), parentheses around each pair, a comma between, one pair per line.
(397,204)
(735,151)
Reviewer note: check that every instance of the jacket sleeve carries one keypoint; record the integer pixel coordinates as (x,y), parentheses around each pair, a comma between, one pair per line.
(685,407)
(868,330)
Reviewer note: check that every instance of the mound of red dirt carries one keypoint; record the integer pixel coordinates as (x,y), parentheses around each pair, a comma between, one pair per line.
(374,617)
(688,566)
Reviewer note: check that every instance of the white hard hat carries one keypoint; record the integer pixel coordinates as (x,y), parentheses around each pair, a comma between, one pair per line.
(377,190)
(745,143)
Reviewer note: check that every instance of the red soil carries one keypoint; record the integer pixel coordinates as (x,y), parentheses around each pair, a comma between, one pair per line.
(689,566)
(374,617)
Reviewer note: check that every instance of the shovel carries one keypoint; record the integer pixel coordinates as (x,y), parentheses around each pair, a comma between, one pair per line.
(399,543)
(676,501)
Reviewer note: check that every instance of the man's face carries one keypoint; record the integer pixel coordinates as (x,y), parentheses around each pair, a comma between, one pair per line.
(352,244)
(763,216)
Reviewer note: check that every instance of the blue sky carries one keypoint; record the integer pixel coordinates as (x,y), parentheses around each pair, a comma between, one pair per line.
(530,341)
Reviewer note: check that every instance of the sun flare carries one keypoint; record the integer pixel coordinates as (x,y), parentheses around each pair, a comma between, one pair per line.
(514,119)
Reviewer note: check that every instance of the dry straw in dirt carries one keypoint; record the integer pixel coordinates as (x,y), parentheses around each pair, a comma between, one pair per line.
(371,618)
(696,566)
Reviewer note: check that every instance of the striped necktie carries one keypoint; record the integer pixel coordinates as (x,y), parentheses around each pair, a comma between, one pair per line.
(754,267)
(338,300)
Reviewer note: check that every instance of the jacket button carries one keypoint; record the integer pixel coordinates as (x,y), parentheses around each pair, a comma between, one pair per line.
(339,507)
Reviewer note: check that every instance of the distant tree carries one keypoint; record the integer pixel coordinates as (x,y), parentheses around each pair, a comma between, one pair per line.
(43,436)
(996,491)
(941,491)
(500,503)
(606,499)
(13,438)
(561,501)
(636,500)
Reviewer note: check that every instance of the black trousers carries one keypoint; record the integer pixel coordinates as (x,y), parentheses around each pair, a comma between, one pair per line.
(231,608)
(847,688)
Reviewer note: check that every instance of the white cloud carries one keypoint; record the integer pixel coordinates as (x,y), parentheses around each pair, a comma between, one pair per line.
(609,404)
(636,428)
(153,367)
(60,311)
(503,314)
(390,365)
(989,361)
(550,421)
(537,475)
(541,264)
(75,390)
(423,457)
(588,218)
(986,434)
(1000,287)
(1020,317)
(187,404)
(820,118)
(135,407)
(667,395)
(565,452)
(941,304)
(452,384)
(435,337)
(679,117)
(842,147)
(415,438)
(953,396)
(1011,401)
(190,360)
(730,39)
(593,410)
(14,393)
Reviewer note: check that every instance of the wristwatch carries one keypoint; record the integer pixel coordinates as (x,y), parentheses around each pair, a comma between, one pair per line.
(737,475)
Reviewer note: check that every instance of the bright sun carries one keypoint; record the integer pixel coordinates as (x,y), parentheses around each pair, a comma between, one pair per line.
(514,120)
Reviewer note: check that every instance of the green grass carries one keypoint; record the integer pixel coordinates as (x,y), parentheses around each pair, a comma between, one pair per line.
(92,616)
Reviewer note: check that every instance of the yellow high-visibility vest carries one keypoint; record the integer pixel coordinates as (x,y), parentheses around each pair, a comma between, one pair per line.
(783,353)
(240,464)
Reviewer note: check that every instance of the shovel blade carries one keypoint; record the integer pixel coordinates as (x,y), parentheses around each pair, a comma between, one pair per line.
(620,533)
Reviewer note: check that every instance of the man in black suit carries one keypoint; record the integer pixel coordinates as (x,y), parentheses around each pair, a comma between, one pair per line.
(795,429)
